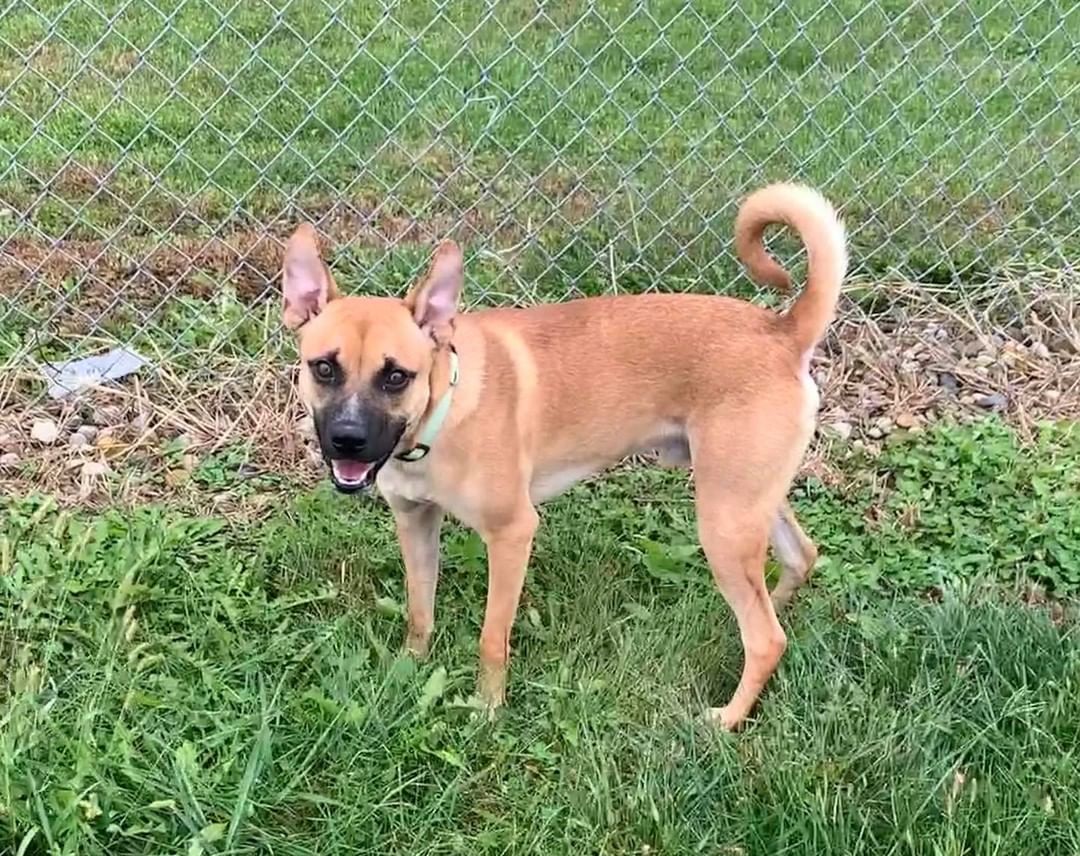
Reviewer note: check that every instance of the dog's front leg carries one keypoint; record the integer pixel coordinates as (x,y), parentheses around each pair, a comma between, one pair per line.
(418,527)
(508,549)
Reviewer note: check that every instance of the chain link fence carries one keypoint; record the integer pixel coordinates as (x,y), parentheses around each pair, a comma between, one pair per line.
(156,154)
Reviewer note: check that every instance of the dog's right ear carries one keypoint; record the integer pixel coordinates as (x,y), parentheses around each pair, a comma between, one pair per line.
(306,283)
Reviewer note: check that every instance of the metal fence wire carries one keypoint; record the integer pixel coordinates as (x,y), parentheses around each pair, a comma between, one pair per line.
(155,154)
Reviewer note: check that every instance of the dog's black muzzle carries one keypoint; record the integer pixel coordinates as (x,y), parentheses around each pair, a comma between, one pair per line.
(356,442)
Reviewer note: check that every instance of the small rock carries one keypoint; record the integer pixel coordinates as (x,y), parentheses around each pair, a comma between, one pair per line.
(44,432)
(874,432)
(90,432)
(905,420)
(1040,350)
(9,461)
(985,360)
(840,429)
(948,382)
(884,424)
(73,421)
(78,440)
(1052,394)
(108,440)
(993,401)
(8,441)
(90,474)
(94,469)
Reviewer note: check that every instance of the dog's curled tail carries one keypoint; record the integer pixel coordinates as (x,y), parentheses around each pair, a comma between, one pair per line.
(821,231)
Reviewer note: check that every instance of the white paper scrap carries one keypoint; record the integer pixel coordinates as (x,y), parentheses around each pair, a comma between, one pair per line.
(73,375)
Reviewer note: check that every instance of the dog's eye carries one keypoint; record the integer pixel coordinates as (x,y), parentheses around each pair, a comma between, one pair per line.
(395,380)
(323,370)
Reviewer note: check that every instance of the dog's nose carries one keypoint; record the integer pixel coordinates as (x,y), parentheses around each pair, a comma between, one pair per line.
(349,438)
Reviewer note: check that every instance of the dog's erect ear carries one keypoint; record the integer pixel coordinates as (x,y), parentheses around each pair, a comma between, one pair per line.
(306,283)
(433,300)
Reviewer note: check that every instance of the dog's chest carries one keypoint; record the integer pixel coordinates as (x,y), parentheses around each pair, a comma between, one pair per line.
(409,482)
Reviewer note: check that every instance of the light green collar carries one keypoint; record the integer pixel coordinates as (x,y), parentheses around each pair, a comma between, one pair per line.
(438,416)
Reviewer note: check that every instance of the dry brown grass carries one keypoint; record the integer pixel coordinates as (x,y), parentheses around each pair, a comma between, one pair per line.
(918,356)
(143,270)
(1018,338)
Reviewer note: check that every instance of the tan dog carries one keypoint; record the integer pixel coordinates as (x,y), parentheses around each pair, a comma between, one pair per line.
(484,415)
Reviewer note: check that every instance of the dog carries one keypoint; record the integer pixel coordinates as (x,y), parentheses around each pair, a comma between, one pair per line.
(486,414)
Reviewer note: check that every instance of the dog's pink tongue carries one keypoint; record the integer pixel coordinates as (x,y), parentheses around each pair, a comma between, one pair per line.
(351,471)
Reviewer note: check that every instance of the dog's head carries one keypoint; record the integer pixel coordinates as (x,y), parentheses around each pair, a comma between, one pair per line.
(366,362)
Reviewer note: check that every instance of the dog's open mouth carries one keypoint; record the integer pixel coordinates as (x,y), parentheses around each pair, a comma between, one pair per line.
(350,476)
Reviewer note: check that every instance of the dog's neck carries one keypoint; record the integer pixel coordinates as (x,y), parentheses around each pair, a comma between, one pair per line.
(438,409)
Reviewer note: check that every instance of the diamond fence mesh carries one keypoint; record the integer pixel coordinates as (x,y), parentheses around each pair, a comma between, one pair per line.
(156,154)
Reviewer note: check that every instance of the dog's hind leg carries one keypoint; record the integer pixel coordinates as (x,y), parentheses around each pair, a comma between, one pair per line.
(734,543)
(742,473)
(795,552)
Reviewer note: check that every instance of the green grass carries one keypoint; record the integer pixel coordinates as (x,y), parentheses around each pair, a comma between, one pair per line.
(183,684)
(936,125)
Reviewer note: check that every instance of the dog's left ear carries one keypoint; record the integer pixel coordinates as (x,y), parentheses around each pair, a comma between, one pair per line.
(433,300)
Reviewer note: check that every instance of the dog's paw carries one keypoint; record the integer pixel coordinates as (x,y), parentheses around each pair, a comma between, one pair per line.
(482,712)
(491,689)
(417,646)
(723,718)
